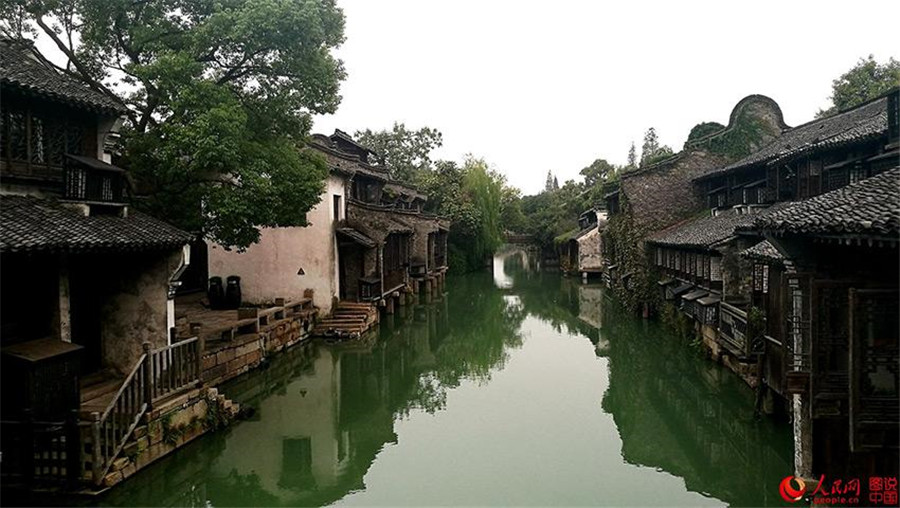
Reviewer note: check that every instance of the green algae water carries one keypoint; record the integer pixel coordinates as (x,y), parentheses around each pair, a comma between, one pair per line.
(521,388)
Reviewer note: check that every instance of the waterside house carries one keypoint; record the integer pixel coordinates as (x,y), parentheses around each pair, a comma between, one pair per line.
(87,282)
(788,278)
(654,197)
(579,251)
(367,244)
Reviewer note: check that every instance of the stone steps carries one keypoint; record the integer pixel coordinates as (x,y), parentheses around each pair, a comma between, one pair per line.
(348,320)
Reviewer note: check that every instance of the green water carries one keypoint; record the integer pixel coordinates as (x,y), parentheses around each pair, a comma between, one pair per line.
(522,388)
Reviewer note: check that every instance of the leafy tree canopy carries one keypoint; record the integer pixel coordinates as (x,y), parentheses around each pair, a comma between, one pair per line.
(598,172)
(406,153)
(473,197)
(219,96)
(866,80)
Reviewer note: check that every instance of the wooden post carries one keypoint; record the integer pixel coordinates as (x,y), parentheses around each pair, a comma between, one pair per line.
(148,375)
(28,447)
(96,466)
(74,450)
(201,347)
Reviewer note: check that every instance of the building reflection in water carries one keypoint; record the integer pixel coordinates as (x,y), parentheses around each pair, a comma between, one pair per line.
(324,412)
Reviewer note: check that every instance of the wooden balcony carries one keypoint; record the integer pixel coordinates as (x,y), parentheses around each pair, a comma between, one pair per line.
(94,181)
(733,330)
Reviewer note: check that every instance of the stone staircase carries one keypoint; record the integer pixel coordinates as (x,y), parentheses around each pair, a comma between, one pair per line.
(348,320)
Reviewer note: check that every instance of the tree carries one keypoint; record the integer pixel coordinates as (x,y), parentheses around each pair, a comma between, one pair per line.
(651,151)
(597,173)
(473,197)
(404,152)
(650,146)
(555,183)
(866,80)
(219,97)
(511,216)
(632,157)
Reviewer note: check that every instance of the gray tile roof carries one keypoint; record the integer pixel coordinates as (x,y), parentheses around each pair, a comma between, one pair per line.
(21,67)
(866,121)
(764,251)
(707,231)
(28,223)
(357,237)
(869,207)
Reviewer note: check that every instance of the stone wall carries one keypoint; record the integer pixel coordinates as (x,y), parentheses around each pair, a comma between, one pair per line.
(663,194)
(169,427)
(228,359)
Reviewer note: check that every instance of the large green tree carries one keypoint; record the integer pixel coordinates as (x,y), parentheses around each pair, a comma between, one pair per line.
(866,80)
(219,96)
(473,197)
(406,153)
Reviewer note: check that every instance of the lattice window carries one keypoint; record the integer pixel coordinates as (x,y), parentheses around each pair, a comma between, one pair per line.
(18,148)
(56,142)
(715,268)
(761,278)
(74,139)
(38,137)
(106,189)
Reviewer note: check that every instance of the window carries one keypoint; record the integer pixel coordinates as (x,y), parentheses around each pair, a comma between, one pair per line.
(715,270)
(337,207)
(761,278)
(32,138)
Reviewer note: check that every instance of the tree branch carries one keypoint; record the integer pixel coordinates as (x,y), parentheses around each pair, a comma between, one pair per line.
(73,59)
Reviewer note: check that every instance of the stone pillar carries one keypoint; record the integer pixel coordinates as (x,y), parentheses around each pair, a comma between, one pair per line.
(64,309)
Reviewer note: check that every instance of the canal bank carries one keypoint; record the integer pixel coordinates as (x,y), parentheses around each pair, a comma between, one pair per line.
(540,392)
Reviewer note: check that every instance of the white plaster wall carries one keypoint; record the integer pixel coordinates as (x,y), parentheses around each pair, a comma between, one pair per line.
(269,269)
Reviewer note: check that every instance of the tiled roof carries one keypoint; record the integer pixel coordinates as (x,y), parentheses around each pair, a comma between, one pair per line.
(707,231)
(853,125)
(29,223)
(870,207)
(23,68)
(357,237)
(764,251)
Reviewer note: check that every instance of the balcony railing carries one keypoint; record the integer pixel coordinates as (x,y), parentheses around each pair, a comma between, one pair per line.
(733,329)
(95,185)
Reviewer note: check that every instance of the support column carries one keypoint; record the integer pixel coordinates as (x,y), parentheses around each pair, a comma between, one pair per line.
(64,308)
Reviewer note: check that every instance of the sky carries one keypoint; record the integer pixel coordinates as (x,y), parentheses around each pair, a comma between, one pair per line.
(536,86)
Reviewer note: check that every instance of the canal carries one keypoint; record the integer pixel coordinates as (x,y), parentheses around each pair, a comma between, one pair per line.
(521,388)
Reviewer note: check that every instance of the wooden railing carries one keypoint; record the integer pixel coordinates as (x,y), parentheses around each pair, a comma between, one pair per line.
(111,429)
(156,375)
(41,453)
(733,329)
(173,367)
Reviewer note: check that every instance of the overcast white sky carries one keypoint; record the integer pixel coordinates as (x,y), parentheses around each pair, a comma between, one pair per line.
(537,86)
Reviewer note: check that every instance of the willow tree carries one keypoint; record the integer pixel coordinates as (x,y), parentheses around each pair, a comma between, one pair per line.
(219,97)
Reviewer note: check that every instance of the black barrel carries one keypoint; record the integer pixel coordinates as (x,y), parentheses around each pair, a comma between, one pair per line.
(233,292)
(216,293)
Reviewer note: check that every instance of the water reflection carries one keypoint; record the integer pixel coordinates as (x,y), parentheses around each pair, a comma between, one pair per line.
(327,414)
